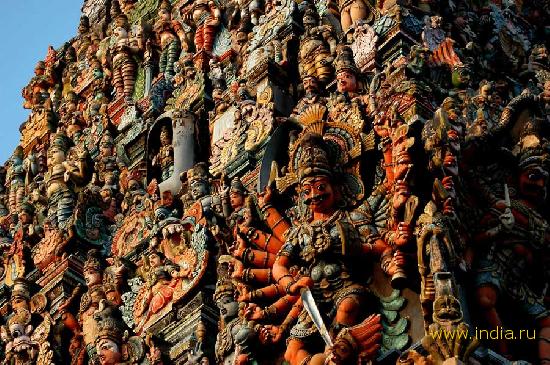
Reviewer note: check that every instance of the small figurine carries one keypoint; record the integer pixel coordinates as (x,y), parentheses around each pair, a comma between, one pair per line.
(165,157)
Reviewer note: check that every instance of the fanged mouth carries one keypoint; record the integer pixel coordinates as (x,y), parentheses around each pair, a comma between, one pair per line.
(172,229)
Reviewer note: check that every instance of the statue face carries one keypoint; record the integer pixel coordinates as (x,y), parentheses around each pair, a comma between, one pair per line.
(106,150)
(447,308)
(96,295)
(436,21)
(92,277)
(155,260)
(309,21)
(16,160)
(310,85)
(48,228)
(106,195)
(18,303)
(217,94)
(164,14)
(55,156)
(341,351)
(18,331)
(165,139)
(39,70)
(120,33)
(133,185)
(532,183)
(93,233)
(229,307)
(346,81)
(199,188)
(108,351)
(236,199)
(25,218)
(35,195)
(318,193)
(485,91)
(114,297)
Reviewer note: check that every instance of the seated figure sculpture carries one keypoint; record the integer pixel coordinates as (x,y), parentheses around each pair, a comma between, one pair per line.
(326,244)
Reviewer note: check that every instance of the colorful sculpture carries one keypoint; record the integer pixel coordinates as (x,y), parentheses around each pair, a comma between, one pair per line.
(269,182)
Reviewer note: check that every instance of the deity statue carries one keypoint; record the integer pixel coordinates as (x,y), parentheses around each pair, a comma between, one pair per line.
(205,17)
(26,235)
(123,64)
(237,198)
(165,156)
(482,113)
(71,118)
(433,35)
(16,177)
(50,248)
(84,38)
(106,164)
(321,244)
(162,278)
(113,345)
(311,96)
(347,105)
(509,247)
(90,301)
(37,92)
(236,335)
(70,73)
(60,174)
(21,345)
(443,136)
(201,205)
(166,30)
(354,11)
(317,47)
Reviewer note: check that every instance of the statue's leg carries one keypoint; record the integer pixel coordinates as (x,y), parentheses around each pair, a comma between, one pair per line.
(172,54)
(544,341)
(209,33)
(118,81)
(323,67)
(358,11)
(487,299)
(199,38)
(163,61)
(13,200)
(345,18)
(347,313)
(65,207)
(295,353)
(20,196)
(128,74)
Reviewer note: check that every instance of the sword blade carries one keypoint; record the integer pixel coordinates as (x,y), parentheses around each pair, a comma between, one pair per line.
(313,311)
(507,196)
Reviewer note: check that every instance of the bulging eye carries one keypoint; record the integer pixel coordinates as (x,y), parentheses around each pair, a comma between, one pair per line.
(535,175)
(321,187)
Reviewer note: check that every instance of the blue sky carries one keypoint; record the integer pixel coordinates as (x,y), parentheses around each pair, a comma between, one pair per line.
(27,27)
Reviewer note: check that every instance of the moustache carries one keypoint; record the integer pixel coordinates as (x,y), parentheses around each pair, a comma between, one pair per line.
(316,199)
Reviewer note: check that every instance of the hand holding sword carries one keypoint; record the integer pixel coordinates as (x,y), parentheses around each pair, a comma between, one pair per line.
(507,218)
(360,340)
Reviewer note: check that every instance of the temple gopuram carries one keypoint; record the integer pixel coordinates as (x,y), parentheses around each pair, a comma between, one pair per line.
(283,182)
